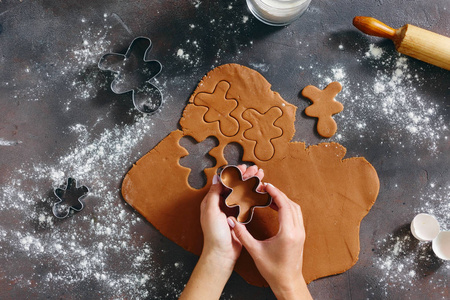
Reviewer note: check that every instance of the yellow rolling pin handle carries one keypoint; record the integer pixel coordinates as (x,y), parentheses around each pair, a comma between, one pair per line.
(411,40)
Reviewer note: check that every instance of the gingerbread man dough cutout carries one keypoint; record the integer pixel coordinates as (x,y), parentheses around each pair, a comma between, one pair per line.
(324,107)
(334,193)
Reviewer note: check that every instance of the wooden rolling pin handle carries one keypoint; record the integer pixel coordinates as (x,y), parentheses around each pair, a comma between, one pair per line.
(411,40)
(374,27)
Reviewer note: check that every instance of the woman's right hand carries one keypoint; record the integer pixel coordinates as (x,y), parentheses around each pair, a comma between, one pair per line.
(279,259)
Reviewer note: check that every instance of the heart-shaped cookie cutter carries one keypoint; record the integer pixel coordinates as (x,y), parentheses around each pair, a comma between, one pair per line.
(245,194)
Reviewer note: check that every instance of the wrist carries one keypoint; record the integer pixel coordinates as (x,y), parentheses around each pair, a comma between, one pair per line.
(208,278)
(291,289)
(220,263)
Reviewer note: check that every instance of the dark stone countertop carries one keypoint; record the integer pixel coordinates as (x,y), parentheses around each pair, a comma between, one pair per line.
(59,118)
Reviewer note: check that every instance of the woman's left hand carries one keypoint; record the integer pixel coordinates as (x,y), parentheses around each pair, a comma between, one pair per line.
(221,248)
(218,240)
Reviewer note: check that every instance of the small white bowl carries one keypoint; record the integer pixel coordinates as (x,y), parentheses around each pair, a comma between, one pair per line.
(441,245)
(425,227)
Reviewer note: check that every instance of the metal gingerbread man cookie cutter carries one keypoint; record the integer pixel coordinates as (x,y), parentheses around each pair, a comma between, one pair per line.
(243,193)
(73,194)
(133,73)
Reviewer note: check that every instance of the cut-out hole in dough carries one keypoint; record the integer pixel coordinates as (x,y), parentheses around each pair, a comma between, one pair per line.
(198,159)
(233,154)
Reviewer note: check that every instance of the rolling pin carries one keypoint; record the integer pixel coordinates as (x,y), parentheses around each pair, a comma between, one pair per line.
(411,40)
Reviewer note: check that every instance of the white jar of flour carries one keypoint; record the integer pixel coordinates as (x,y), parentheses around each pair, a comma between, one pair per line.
(277,12)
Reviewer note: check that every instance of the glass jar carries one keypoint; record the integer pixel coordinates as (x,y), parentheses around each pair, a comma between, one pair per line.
(277,12)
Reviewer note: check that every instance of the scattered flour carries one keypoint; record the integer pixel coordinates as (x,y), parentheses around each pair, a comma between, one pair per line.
(229,35)
(77,65)
(99,248)
(196,3)
(436,202)
(75,248)
(94,45)
(4,142)
(181,54)
(391,100)
(403,263)
(374,52)
(261,67)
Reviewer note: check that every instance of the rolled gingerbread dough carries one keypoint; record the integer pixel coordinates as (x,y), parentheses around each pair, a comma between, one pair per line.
(334,193)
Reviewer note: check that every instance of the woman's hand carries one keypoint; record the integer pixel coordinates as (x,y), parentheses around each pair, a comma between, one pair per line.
(279,259)
(220,248)
(218,240)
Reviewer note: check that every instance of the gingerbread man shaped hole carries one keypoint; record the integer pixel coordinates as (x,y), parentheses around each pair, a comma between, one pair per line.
(243,193)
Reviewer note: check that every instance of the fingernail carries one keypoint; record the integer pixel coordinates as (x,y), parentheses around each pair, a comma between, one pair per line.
(269,184)
(230,222)
(262,186)
(215,179)
(261,170)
